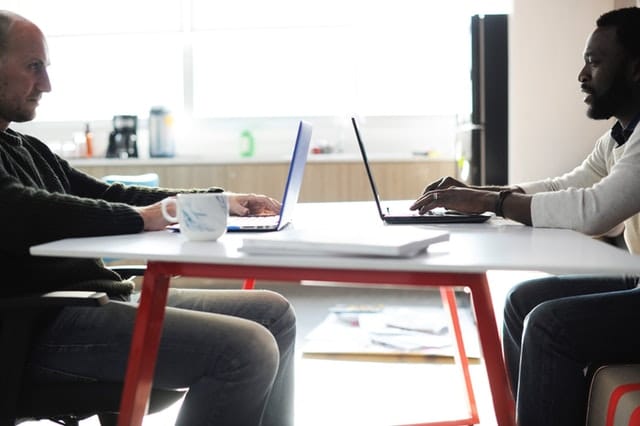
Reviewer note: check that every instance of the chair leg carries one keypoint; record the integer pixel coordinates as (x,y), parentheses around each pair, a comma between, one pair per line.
(16,330)
(108,419)
(249,284)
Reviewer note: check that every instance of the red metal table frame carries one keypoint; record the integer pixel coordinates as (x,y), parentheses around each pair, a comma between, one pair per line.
(148,325)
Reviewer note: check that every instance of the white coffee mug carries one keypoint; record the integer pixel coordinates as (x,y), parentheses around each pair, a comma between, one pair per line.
(202,216)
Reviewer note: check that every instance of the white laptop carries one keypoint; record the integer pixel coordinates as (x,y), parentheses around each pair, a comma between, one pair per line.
(291,190)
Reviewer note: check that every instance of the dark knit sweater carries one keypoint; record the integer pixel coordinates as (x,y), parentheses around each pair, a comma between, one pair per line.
(45,199)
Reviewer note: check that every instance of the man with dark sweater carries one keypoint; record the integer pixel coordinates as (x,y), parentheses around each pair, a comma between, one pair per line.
(232,349)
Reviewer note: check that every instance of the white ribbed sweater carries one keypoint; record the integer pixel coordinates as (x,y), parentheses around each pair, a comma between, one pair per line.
(596,197)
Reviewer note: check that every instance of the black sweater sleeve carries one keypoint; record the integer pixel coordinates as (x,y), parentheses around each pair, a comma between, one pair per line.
(45,199)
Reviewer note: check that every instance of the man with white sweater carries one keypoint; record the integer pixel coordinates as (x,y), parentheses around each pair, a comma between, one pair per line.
(559,329)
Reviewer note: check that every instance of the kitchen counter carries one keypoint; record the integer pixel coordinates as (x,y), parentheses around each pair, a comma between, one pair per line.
(188,160)
(328,177)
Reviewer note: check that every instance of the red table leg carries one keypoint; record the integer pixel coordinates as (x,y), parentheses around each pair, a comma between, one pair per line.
(144,347)
(460,355)
(249,284)
(492,350)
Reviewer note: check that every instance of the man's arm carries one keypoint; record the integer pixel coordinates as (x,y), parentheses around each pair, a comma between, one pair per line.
(32,216)
(449,182)
(239,205)
(510,202)
(517,206)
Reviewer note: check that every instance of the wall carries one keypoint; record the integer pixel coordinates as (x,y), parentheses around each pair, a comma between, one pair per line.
(549,131)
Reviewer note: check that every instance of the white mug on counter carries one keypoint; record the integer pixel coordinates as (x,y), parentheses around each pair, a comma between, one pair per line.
(202,216)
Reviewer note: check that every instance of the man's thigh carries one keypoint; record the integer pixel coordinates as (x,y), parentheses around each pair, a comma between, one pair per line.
(595,327)
(529,294)
(93,343)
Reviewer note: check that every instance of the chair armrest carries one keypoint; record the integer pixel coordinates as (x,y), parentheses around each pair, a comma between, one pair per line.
(18,316)
(60,299)
(128,271)
(55,299)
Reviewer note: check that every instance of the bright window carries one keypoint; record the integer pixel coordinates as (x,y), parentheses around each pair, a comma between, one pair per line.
(243,58)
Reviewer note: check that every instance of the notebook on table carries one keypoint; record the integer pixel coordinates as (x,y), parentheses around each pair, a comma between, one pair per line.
(291,191)
(392,215)
(381,242)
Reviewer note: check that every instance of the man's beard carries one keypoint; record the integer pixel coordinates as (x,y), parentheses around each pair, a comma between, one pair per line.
(615,99)
(13,110)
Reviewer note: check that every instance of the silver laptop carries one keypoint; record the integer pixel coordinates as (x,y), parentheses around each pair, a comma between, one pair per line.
(391,215)
(291,190)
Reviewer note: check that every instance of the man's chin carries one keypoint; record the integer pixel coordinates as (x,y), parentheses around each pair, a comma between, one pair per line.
(597,114)
(23,118)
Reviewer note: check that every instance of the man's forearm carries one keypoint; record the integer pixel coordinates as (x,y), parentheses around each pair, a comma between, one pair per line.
(517,206)
(495,188)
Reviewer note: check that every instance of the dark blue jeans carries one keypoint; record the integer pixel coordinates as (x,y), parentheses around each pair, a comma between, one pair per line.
(556,331)
(233,349)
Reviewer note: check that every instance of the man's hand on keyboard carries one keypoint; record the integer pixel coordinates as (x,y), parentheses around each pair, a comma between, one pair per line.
(253,205)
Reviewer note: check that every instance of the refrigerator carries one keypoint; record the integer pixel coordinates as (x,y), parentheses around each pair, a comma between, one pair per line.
(483,148)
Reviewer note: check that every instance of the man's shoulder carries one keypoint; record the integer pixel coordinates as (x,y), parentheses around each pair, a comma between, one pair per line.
(14,137)
(634,138)
(606,143)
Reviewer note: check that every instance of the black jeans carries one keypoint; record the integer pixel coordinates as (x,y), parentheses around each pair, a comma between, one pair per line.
(233,349)
(558,329)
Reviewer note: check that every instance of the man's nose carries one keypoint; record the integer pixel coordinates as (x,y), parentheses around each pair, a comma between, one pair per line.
(44,84)
(583,75)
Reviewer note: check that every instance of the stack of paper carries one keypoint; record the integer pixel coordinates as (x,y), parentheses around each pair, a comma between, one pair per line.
(392,331)
(391,241)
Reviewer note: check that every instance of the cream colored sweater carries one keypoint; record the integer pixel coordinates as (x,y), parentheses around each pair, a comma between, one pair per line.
(598,197)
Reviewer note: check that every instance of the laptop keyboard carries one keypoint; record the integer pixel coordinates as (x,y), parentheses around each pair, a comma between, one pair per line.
(252,220)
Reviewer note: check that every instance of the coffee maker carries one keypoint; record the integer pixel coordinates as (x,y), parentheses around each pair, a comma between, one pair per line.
(123,137)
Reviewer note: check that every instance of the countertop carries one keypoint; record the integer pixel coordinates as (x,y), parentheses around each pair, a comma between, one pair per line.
(189,160)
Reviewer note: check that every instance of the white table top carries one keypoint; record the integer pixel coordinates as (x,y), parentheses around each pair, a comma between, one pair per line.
(496,245)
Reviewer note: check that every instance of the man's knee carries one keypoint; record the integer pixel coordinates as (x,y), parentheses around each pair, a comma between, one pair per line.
(256,350)
(262,348)
(541,322)
(284,313)
(525,296)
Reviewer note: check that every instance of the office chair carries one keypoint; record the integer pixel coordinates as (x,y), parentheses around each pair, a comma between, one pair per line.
(614,396)
(62,403)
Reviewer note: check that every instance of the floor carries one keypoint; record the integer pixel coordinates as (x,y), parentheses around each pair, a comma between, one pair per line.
(358,393)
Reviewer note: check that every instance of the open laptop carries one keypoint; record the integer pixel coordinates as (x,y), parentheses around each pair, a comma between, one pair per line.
(291,190)
(390,214)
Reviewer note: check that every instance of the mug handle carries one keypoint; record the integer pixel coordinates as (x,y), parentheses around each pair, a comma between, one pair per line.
(165,213)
